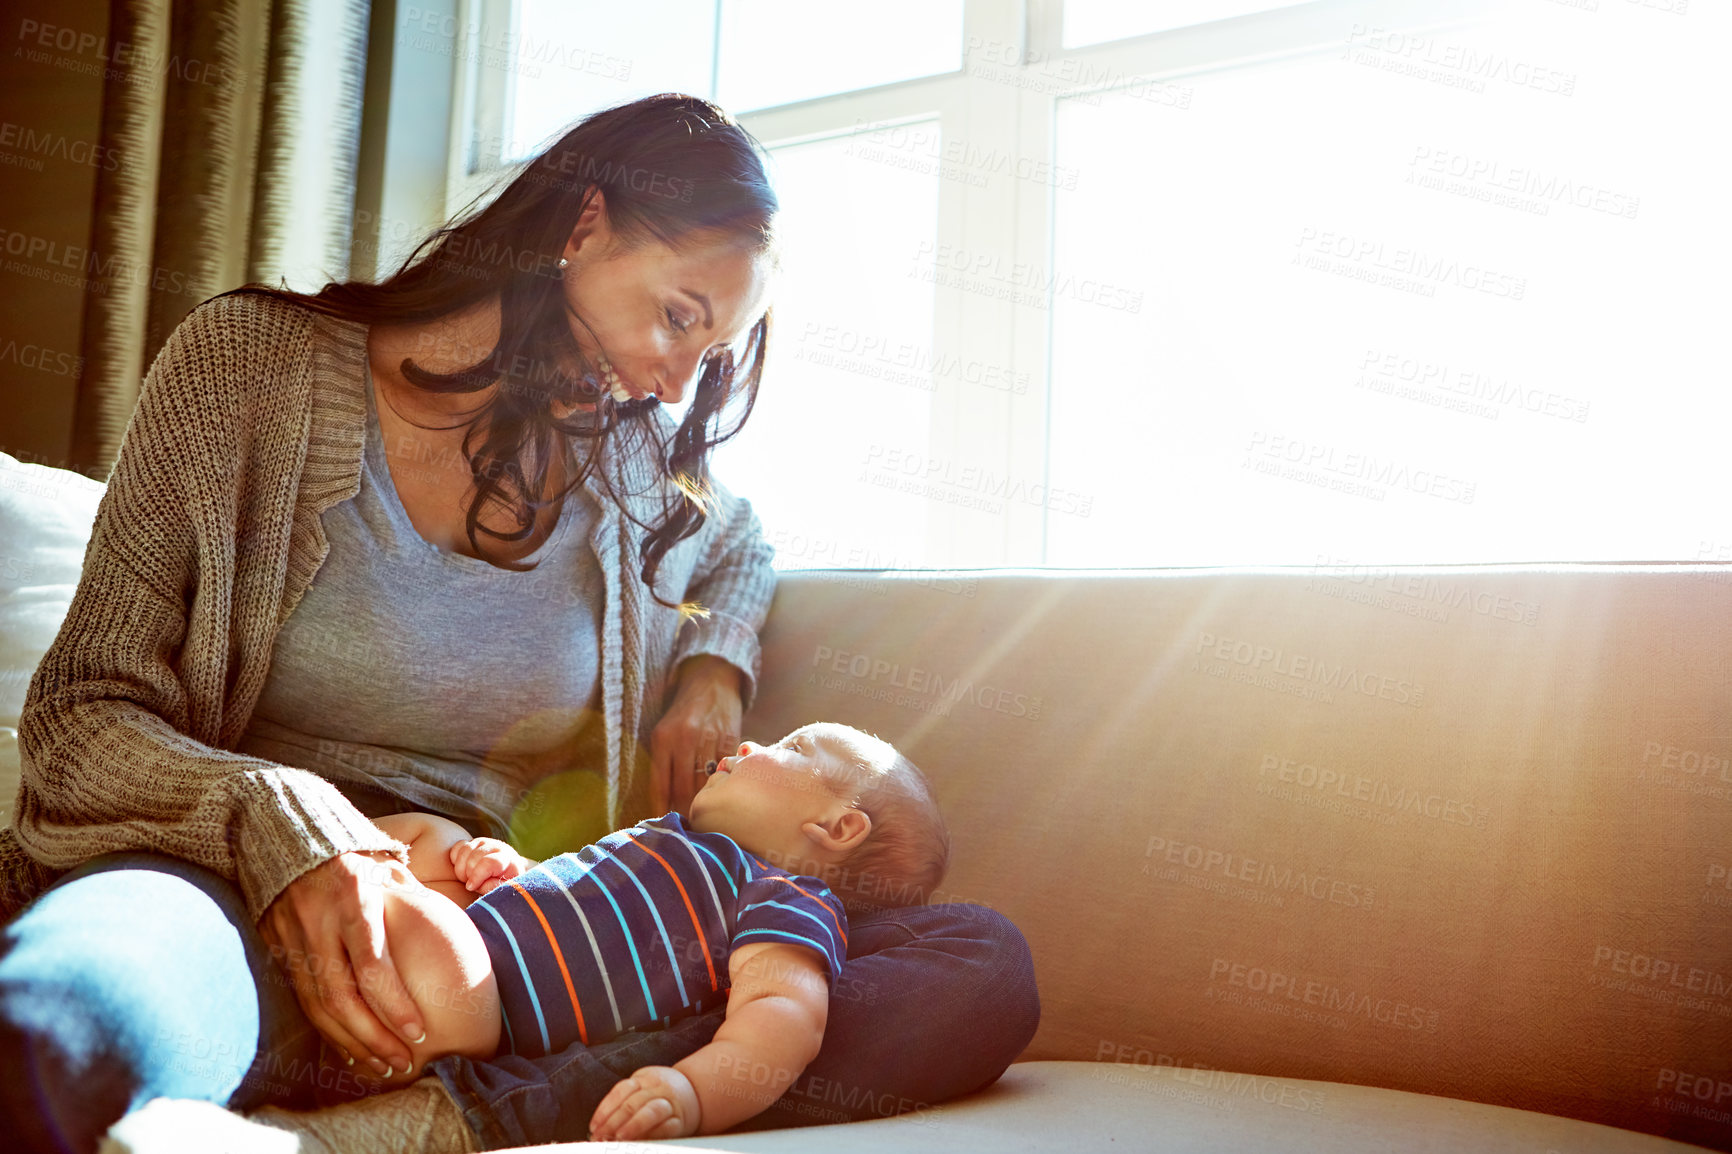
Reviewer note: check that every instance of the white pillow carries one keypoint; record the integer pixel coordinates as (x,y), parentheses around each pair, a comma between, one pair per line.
(45,519)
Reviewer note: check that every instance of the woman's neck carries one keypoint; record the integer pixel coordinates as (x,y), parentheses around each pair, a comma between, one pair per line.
(445,345)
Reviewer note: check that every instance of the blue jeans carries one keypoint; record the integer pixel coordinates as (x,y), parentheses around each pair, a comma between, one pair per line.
(138,976)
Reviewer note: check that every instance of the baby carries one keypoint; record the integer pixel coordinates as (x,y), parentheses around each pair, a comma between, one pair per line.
(668,918)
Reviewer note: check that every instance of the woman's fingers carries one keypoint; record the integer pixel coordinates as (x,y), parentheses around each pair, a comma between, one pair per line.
(331,1009)
(701,725)
(673,747)
(330,924)
(304,969)
(713,743)
(694,747)
(661,758)
(387,1016)
(337,988)
(683,777)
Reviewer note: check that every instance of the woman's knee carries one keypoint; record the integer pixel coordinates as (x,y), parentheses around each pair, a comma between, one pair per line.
(116,983)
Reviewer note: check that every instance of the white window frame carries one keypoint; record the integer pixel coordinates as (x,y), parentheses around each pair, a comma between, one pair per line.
(1011,219)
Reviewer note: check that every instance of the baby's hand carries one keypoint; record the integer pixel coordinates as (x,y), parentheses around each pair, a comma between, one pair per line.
(483,862)
(655,1102)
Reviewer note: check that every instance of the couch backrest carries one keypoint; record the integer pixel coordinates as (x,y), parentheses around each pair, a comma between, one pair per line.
(1462,831)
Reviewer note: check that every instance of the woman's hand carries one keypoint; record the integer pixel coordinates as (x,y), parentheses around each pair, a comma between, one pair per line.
(327,930)
(701,725)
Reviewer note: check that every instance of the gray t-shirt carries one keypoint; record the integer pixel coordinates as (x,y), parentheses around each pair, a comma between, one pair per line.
(414,678)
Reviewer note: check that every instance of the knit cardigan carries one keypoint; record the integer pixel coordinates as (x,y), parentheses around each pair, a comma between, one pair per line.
(250,424)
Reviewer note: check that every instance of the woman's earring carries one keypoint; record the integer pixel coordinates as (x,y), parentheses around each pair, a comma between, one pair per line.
(563,263)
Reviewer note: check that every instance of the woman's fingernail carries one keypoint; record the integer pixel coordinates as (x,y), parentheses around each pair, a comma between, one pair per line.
(420,1033)
(349,1058)
(380,1068)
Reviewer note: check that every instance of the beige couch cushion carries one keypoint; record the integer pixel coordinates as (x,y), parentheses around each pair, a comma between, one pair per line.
(1043,1106)
(1456,831)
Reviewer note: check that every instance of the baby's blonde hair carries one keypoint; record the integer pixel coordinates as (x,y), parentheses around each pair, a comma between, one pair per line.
(905,855)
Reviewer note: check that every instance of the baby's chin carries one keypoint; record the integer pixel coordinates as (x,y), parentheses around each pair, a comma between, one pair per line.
(702,819)
(709,813)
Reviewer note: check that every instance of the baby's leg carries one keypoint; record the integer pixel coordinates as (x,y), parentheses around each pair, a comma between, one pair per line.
(441,958)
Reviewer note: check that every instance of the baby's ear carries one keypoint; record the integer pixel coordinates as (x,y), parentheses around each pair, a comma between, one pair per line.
(841,833)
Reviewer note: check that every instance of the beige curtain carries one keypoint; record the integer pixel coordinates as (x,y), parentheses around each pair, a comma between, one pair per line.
(240,123)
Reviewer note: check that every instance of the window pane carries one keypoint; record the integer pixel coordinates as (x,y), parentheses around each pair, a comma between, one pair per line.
(1095,21)
(568,58)
(1422,314)
(779,51)
(849,378)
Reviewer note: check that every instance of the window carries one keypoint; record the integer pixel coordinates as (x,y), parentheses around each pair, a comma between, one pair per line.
(1098,21)
(1251,283)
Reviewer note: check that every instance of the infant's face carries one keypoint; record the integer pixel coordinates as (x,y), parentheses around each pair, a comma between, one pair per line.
(762,795)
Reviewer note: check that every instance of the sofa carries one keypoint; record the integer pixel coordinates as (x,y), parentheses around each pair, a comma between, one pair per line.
(1328,858)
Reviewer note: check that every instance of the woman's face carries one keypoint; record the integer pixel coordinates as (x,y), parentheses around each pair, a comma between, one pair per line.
(657,313)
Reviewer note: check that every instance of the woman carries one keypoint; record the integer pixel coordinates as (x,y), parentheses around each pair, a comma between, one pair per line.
(295,613)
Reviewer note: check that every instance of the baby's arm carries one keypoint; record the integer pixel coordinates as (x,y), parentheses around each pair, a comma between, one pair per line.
(443,856)
(777,1010)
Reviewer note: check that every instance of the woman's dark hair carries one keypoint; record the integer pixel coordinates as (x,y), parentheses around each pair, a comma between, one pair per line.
(672,168)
